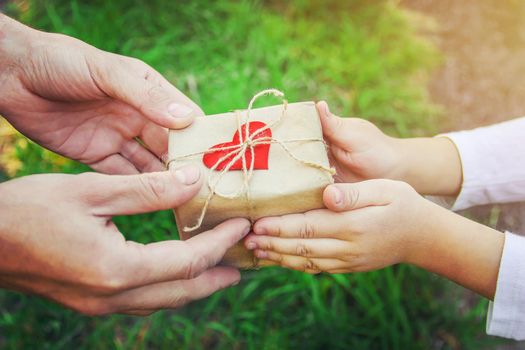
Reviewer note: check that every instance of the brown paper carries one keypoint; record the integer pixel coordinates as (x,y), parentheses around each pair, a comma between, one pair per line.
(287,186)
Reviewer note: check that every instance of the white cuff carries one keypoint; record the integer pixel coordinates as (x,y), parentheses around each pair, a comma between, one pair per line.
(506,315)
(493,164)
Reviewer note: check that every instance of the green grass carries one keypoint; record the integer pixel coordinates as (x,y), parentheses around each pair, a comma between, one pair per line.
(365,59)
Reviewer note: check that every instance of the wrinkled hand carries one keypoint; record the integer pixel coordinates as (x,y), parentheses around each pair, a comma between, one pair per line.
(87,104)
(367,226)
(57,240)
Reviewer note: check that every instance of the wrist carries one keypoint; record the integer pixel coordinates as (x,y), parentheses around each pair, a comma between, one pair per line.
(431,165)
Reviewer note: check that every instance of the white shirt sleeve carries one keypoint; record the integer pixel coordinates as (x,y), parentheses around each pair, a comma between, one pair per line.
(506,315)
(493,162)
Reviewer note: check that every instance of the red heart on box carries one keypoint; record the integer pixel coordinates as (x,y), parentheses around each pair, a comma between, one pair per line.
(260,152)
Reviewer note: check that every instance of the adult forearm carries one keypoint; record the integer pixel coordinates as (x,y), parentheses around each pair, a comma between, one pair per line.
(461,250)
(431,165)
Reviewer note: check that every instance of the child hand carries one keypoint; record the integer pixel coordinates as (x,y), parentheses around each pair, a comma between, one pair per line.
(360,151)
(367,226)
(377,223)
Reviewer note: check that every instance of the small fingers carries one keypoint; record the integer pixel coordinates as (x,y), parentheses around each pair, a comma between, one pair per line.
(308,265)
(313,248)
(320,223)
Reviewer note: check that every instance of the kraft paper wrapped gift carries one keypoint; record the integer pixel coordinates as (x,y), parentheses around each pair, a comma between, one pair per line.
(281,168)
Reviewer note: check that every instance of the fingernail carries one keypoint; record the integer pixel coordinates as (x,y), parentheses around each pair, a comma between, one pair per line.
(188,175)
(251,245)
(179,111)
(337,195)
(261,254)
(246,231)
(326,108)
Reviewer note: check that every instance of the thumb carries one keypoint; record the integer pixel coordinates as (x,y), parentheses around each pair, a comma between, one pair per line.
(143,88)
(333,126)
(133,194)
(345,197)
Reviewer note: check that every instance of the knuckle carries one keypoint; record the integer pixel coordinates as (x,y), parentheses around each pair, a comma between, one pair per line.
(309,265)
(180,301)
(177,299)
(339,125)
(111,283)
(342,155)
(398,188)
(279,227)
(306,229)
(267,245)
(156,92)
(404,187)
(93,307)
(351,197)
(391,184)
(303,250)
(196,265)
(105,279)
(153,187)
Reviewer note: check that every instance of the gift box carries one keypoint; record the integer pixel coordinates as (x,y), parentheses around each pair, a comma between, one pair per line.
(256,163)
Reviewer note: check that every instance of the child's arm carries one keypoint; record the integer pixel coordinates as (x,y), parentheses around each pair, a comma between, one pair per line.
(360,151)
(377,223)
(486,164)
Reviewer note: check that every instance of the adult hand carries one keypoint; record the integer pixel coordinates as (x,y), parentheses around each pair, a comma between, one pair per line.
(57,240)
(87,104)
(377,223)
(360,151)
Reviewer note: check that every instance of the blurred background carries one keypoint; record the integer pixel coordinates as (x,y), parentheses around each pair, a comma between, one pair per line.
(414,67)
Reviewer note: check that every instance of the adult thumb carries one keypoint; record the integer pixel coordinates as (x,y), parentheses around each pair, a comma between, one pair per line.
(350,196)
(143,88)
(134,194)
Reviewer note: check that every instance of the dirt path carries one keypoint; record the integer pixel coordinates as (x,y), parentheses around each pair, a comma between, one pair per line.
(482,78)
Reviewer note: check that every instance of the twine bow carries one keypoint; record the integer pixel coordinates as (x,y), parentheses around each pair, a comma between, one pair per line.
(238,151)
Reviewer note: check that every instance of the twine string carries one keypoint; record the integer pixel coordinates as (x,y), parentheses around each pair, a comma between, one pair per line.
(238,152)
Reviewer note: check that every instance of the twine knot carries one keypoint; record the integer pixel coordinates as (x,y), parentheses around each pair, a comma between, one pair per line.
(238,152)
